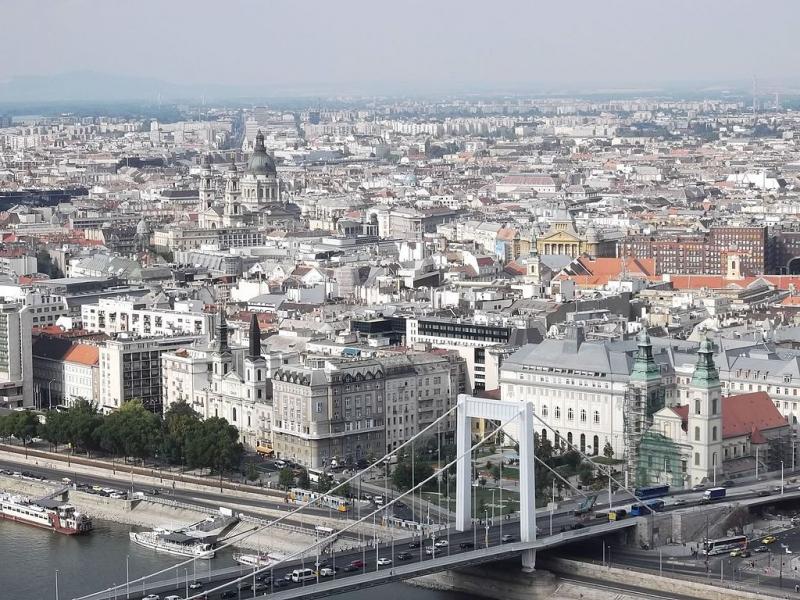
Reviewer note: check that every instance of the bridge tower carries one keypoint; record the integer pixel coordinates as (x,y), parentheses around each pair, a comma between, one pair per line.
(521,414)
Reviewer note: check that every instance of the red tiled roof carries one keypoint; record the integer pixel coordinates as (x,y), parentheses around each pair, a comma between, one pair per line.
(83,354)
(744,414)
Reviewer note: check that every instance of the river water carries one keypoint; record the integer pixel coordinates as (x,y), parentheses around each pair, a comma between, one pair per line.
(29,558)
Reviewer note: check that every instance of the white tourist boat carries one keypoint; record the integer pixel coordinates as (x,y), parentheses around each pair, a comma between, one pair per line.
(173,542)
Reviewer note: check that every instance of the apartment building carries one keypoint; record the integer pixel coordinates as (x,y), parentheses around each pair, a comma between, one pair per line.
(139,317)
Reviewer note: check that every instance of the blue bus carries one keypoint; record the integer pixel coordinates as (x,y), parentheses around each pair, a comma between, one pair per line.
(638,510)
(654,491)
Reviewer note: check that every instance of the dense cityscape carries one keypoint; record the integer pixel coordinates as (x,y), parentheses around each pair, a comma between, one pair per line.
(435,345)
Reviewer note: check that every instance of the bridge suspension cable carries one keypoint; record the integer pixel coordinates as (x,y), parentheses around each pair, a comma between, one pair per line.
(290,513)
(256,571)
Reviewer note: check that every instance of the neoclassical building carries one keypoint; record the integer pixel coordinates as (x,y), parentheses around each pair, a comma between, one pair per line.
(563,238)
(247,197)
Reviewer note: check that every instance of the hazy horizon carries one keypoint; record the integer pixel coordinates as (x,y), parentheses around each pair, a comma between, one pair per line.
(354,46)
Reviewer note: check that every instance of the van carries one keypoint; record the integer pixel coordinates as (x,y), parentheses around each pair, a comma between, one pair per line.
(299,575)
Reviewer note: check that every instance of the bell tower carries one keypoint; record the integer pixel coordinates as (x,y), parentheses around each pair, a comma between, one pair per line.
(705,418)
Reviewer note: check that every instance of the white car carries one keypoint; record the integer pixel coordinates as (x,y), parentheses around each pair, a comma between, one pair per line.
(152,597)
(429,550)
(441,543)
(327,571)
(383,561)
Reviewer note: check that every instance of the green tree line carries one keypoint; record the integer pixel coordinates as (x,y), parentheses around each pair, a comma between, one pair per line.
(180,437)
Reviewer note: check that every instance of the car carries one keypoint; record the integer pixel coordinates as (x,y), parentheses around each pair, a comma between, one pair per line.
(763,493)
(776,488)
(383,561)
(358,564)
(510,538)
(466,545)
(577,526)
(229,594)
(244,586)
(196,585)
(152,597)
(261,587)
(172,597)
(288,576)
(351,568)
(770,539)
(431,550)
(404,556)
(442,543)
(154,492)
(728,483)
(280,583)
(321,563)
(326,572)
(699,487)
(761,549)
(413,544)
(679,502)
(737,553)
(788,550)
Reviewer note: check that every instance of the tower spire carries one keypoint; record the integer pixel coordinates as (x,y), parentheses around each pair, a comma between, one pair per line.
(222,330)
(255,337)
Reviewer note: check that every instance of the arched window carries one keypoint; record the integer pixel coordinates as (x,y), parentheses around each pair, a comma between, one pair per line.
(558,412)
(544,410)
(714,406)
(583,442)
(583,415)
(544,433)
(697,406)
(714,433)
(595,444)
(596,417)
(233,414)
(696,434)
(570,414)
(569,438)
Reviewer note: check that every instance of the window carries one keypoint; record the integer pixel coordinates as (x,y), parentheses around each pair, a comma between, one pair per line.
(570,414)
(544,434)
(714,406)
(558,412)
(596,417)
(696,434)
(583,442)
(544,410)
(697,459)
(697,406)
(569,438)
(583,415)
(595,444)
(714,433)
(233,414)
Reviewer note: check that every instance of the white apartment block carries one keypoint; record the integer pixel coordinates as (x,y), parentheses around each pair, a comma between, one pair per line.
(16,365)
(135,316)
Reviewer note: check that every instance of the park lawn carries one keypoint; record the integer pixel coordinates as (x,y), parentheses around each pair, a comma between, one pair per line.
(482,501)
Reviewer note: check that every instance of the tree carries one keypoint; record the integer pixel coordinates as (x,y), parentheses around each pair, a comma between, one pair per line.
(82,423)
(608,451)
(130,431)
(251,474)
(54,429)
(286,478)
(495,470)
(325,483)
(214,444)
(23,425)
(405,477)
(180,424)
(585,473)
(303,480)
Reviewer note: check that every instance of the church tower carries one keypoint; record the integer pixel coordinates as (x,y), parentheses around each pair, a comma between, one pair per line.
(222,359)
(255,366)
(705,417)
(644,397)
(206,185)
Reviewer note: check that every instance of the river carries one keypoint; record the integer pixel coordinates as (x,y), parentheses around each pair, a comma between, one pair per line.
(86,564)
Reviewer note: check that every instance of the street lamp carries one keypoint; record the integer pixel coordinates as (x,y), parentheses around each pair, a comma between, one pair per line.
(486,523)
(782,480)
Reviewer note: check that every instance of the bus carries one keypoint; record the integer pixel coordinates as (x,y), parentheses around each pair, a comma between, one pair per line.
(653,491)
(725,545)
(324,531)
(646,508)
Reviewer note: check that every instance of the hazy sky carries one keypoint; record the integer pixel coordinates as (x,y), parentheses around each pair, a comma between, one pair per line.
(422,43)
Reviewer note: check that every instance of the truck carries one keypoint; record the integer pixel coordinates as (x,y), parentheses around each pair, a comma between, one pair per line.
(711,494)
